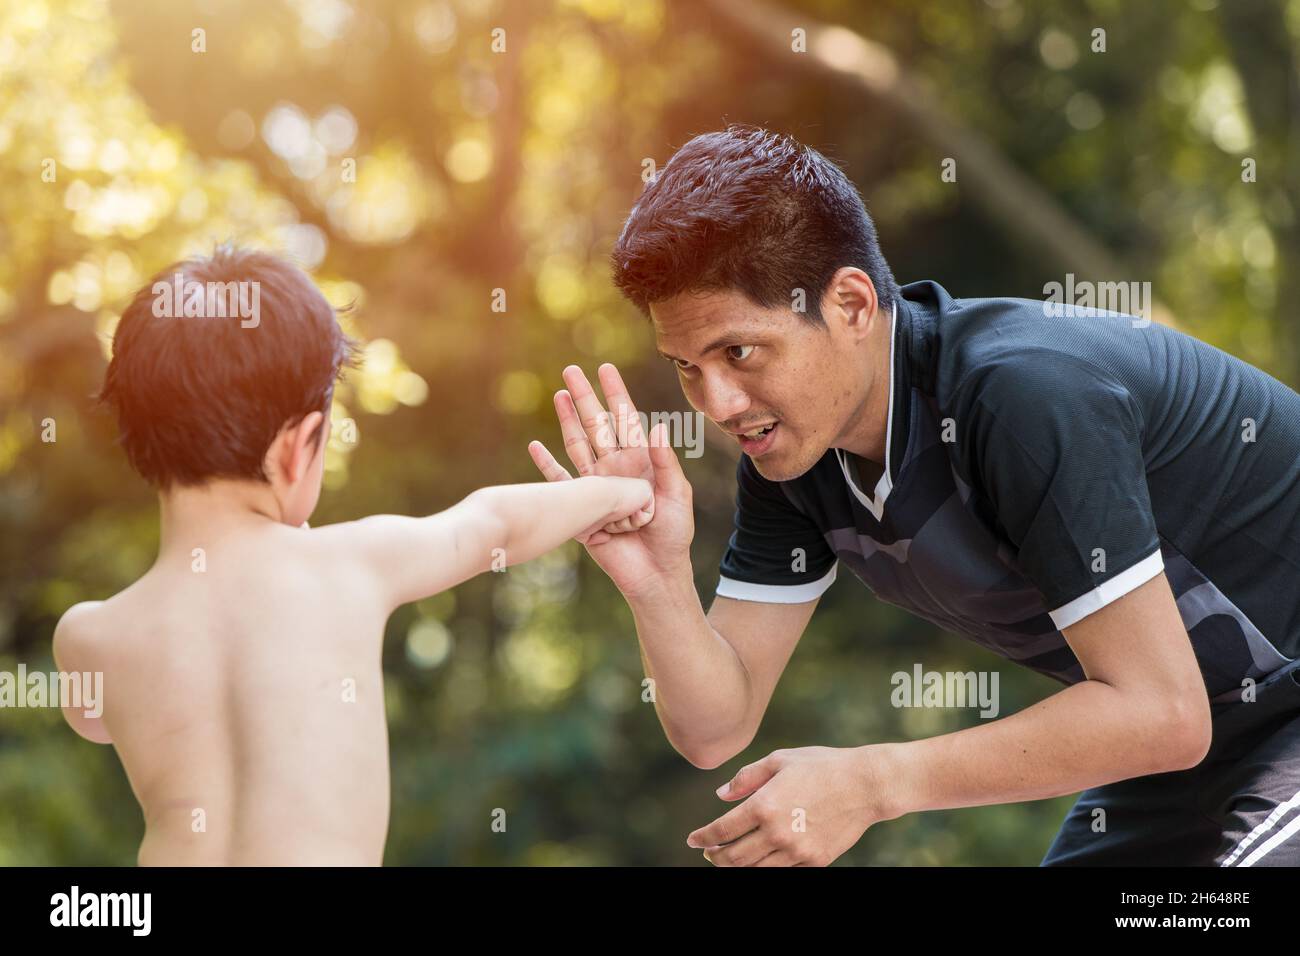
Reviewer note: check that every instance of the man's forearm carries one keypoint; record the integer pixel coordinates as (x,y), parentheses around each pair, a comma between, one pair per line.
(1087,735)
(701,688)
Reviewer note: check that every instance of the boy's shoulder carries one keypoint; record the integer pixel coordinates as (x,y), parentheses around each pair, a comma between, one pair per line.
(86,625)
(77,628)
(79,618)
(75,651)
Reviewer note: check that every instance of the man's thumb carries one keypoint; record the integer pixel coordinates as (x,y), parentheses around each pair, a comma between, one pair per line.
(668,470)
(748,779)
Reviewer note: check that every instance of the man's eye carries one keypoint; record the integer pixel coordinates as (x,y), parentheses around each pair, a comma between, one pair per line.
(681,364)
(740,352)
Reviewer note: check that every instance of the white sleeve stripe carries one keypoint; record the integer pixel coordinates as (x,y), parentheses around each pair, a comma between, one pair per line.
(1075,611)
(776,593)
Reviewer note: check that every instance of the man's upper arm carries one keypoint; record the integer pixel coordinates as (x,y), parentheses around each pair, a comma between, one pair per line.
(775,569)
(1055,445)
(776,554)
(763,637)
(1158,672)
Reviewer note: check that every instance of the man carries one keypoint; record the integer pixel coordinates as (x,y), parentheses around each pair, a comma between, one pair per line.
(1108,502)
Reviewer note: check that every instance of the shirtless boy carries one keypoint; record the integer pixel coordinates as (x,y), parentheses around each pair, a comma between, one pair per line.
(242,679)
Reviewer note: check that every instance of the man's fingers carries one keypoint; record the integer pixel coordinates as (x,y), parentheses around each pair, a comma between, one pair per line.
(749,778)
(731,826)
(576,445)
(747,851)
(777,858)
(620,406)
(596,422)
(551,469)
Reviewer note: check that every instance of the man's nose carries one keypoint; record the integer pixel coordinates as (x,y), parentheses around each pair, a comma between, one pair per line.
(721,400)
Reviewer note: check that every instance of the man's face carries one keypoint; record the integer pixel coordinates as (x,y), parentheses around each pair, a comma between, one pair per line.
(748,368)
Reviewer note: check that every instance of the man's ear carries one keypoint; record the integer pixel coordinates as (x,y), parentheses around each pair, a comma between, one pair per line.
(302,442)
(851,299)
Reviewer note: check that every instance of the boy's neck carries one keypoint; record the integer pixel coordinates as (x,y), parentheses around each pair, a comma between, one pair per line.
(188,514)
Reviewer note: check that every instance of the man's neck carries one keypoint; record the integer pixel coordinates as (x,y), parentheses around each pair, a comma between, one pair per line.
(191,515)
(868,429)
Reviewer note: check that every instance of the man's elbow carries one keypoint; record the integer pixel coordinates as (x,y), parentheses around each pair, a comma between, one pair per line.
(711,754)
(707,758)
(1185,736)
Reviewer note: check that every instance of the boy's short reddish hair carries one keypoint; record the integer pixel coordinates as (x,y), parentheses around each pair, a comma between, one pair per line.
(201,397)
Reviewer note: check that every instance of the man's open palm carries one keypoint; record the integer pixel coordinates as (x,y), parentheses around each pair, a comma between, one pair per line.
(611,441)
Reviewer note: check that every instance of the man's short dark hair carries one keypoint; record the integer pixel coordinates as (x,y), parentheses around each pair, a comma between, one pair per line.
(202,397)
(752,211)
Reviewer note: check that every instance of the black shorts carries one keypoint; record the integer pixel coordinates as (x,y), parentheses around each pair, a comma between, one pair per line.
(1239,807)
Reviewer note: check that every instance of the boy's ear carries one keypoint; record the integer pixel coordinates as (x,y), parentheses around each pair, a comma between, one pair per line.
(306,443)
(296,447)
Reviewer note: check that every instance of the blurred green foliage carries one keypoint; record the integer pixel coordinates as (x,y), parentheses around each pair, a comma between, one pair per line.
(479,171)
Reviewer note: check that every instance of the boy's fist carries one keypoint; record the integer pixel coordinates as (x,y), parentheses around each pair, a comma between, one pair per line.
(635,507)
(637,519)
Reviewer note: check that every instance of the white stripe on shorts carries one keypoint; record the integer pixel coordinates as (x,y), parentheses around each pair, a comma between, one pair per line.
(1278,813)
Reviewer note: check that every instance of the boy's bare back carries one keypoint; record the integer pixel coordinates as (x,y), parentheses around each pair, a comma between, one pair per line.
(243,693)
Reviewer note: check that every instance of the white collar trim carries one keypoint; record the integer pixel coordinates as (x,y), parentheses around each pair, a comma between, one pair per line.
(876,505)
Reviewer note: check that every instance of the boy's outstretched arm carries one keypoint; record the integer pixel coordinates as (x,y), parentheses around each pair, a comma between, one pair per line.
(413,558)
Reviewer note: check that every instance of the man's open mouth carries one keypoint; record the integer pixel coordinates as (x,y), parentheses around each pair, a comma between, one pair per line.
(756,441)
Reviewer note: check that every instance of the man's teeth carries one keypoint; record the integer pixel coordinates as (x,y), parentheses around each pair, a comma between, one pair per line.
(760,431)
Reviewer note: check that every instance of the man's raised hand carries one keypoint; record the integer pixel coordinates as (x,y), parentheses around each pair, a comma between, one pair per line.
(601,440)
